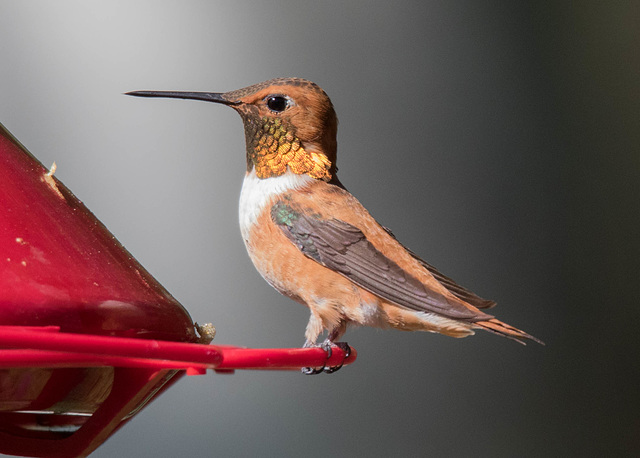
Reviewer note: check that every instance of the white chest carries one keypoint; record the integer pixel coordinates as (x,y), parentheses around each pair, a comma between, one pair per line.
(257,193)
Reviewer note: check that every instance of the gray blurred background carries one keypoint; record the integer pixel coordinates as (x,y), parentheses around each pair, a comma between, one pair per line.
(498,140)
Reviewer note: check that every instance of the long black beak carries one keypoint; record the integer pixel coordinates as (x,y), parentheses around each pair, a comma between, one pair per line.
(206,96)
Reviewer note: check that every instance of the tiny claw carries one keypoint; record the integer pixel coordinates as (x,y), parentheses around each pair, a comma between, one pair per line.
(344,346)
(312,371)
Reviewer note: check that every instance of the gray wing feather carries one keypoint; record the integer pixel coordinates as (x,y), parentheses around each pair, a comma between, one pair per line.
(343,248)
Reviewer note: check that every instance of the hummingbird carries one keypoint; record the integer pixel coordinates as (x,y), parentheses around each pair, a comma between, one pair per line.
(314,242)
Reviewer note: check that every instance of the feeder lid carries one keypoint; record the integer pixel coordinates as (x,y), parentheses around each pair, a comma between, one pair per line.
(60,266)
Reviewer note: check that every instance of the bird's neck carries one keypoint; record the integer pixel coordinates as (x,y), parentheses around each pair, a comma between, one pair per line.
(273,149)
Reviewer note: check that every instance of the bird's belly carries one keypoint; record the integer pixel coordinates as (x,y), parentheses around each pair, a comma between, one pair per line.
(280,263)
(274,256)
(270,269)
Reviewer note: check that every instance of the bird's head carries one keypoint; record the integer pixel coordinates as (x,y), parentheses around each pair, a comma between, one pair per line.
(289,124)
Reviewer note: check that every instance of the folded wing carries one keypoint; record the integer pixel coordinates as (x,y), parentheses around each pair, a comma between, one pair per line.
(344,248)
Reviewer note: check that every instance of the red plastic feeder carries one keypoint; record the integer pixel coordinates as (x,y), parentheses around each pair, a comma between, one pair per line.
(87,335)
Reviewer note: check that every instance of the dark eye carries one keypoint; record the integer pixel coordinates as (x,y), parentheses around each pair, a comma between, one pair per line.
(277,103)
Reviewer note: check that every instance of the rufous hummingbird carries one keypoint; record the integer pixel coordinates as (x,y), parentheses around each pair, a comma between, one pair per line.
(314,242)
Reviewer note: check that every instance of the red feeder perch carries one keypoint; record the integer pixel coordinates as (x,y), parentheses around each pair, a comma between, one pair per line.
(87,335)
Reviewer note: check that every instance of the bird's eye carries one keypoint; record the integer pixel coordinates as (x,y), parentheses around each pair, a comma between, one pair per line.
(278,103)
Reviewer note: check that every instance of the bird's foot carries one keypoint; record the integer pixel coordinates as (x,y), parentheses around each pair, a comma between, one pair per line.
(326,346)
(344,346)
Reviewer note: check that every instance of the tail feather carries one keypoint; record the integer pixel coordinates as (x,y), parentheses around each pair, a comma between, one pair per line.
(506,330)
